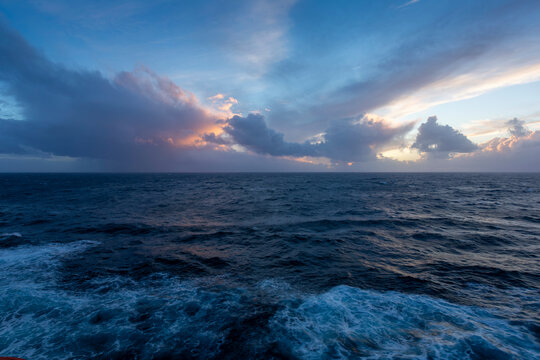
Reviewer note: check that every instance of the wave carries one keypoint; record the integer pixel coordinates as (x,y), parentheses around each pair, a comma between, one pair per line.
(349,322)
(11,239)
(13,234)
(161,316)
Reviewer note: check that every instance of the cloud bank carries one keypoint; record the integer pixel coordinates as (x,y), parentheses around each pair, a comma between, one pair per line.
(346,140)
(141,121)
(136,117)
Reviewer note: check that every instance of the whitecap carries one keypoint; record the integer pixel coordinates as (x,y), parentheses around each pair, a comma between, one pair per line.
(163,316)
(13,234)
(41,320)
(348,322)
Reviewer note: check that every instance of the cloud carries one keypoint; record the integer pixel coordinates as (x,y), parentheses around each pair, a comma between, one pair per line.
(519,135)
(255,33)
(517,152)
(441,140)
(503,154)
(216,97)
(516,128)
(223,104)
(140,120)
(408,3)
(344,141)
(461,56)
(136,118)
(215,139)
(497,72)
(349,140)
(529,143)
(252,133)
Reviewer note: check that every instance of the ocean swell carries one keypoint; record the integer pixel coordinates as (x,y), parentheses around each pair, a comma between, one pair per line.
(164,317)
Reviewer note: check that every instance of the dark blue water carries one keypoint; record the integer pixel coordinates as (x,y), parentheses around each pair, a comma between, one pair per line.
(299,266)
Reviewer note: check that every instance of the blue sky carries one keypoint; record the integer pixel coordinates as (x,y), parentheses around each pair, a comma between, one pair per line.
(341,85)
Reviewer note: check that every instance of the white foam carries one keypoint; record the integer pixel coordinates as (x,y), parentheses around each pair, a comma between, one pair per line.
(41,320)
(15,234)
(349,322)
(18,261)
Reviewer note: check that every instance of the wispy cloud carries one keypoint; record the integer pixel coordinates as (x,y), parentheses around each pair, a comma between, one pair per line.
(452,59)
(222,105)
(257,37)
(408,3)
(475,82)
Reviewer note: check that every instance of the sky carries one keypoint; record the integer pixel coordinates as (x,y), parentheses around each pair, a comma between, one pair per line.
(260,85)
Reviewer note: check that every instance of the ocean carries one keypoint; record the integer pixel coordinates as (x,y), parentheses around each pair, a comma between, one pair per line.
(270,266)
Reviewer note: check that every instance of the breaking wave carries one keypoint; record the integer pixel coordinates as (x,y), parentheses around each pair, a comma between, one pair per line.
(164,317)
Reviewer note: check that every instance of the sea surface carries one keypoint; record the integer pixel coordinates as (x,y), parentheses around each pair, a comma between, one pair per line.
(262,266)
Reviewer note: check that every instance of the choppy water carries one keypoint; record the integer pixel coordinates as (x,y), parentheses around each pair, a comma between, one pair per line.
(307,266)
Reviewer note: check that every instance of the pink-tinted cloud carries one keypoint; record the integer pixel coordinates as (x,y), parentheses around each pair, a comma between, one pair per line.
(135,118)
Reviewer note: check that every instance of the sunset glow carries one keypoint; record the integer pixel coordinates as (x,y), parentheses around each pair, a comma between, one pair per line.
(301,86)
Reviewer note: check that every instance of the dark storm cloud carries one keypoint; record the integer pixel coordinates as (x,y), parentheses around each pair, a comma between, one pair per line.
(441,140)
(132,118)
(345,140)
(252,133)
